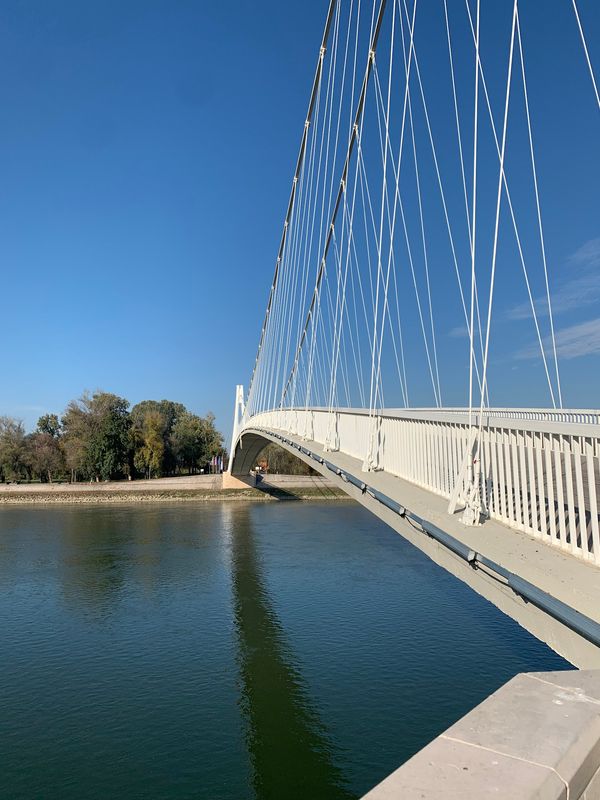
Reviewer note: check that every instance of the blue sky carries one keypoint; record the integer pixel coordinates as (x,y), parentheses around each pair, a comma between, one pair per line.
(146,154)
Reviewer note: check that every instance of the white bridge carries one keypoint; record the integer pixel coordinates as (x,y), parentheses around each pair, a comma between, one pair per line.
(414,265)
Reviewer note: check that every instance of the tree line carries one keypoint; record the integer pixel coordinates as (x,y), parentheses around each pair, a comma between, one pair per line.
(99,438)
(279,461)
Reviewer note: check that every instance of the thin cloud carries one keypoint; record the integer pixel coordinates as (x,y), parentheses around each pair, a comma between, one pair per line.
(581,290)
(460,332)
(588,254)
(575,341)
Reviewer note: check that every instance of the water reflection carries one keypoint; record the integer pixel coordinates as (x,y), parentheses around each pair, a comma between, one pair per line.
(105,555)
(130,633)
(290,751)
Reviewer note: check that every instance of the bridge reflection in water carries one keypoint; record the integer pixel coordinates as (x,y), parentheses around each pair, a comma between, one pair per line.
(290,750)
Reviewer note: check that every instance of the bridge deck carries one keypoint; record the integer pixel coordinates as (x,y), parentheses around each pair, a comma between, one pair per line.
(569,579)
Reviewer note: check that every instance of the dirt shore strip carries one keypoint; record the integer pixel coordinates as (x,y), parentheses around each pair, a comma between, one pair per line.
(196,488)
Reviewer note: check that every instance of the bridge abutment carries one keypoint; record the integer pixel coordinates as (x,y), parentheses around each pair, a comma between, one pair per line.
(238,482)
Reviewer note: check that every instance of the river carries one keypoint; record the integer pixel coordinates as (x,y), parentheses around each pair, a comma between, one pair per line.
(230,650)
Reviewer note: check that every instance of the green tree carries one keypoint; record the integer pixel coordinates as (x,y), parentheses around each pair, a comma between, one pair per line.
(45,456)
(77,434)
(213,440)
(49,424)
(96,436)
(149,444)
(281,462)
(170,412)
(13,450)
(186,438)
(109,443)
(195,441)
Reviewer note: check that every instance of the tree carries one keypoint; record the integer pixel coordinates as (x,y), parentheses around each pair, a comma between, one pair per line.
(278,460)
(96,435)
(109,442)
(149,444)
(49,424)
(13,456)
(45,456)
(186,441)
(170,412)
(195,441)
(77,433)
(213,440)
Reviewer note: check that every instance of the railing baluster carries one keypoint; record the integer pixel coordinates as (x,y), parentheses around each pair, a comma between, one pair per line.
(502,484)
(541,494)
(558,477)
(514,479)
(568,474)
(422,453)
(522,443)
(436,457)
(454,462)
(581,510)
(446,459)
(591,476)
(548,450)
(533,494)
(495,493)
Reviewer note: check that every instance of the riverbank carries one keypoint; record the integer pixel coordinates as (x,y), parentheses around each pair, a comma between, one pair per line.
(194,488)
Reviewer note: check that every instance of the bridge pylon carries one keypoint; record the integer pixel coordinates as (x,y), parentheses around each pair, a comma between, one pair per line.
(238,414)
(231,481)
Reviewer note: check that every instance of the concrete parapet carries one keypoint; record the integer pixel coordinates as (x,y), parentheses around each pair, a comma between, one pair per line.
(536,737)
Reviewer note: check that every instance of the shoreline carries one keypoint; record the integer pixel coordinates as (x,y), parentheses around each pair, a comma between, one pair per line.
(254,496)
(172,490)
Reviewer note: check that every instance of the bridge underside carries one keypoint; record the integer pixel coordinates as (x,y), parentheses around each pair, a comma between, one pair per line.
(246,453)
(558,575)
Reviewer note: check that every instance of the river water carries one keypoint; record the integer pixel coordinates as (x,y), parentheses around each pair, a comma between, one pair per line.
(281,650)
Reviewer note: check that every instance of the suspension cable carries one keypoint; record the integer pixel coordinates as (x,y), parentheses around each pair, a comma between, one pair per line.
(300,159)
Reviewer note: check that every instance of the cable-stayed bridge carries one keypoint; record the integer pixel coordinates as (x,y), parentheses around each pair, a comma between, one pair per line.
(429,200)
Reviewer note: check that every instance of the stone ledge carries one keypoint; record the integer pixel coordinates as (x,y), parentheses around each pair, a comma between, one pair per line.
(536,737)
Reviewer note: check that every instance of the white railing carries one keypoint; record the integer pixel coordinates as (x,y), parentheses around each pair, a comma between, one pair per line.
(583,416)
(544,482)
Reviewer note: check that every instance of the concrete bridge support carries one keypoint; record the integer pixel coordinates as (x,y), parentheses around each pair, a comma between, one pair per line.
(238,482)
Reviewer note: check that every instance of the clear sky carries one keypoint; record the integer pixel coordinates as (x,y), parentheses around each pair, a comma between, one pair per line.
(146,153)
